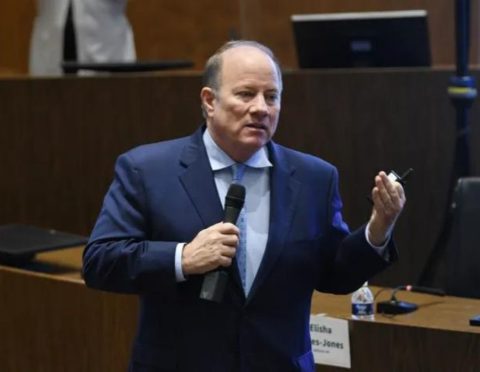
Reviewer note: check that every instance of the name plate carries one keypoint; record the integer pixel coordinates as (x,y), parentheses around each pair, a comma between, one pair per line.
(330,341)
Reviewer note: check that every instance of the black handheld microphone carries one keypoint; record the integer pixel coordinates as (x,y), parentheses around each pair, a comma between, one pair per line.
(215,282)
(394,306)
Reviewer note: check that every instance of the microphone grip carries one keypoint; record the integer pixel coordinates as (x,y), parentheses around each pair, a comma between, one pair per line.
(213,286)
(215,282)
(231,214)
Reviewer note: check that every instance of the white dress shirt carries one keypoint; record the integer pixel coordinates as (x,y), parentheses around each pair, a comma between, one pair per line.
(257,204)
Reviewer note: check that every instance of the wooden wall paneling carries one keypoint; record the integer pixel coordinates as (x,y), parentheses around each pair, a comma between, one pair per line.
(16,21)
(171,29)
(345,118)
(166,29)
(63,135)
(194,29)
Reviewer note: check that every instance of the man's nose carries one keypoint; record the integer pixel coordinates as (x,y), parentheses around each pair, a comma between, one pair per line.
(259,105)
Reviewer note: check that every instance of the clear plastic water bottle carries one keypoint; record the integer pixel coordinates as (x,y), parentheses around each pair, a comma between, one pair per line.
(362,303)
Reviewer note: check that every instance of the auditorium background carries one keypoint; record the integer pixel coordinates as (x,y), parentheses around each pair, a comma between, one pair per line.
(60,136)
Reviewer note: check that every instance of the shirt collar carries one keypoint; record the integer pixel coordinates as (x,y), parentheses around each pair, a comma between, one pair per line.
(220,160)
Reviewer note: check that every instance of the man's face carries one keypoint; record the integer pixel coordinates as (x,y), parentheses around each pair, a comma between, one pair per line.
(242,115)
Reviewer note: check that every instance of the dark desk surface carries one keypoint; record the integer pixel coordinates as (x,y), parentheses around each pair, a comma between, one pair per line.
(64,264)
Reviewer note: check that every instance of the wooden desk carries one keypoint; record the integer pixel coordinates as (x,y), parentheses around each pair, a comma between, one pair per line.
(51,322)
(436,337)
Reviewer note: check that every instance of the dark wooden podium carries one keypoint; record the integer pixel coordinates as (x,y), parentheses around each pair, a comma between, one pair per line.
(50,321)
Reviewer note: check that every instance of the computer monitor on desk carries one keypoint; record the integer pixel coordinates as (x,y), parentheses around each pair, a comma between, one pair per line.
(364,39)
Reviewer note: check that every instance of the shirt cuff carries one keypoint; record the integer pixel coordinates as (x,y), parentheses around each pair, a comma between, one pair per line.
(381,250)
(178,263)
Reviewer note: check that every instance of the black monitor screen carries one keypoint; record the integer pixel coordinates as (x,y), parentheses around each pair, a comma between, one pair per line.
(365,39)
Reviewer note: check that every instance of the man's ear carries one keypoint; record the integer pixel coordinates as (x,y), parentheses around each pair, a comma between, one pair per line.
(207,96)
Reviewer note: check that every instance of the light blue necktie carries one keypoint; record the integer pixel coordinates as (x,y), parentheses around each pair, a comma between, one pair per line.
(241,255)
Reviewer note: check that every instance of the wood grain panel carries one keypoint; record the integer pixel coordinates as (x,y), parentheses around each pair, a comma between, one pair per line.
(66,134)
(52,323)
(16,22)
(171,29)
(60,138)
(193,30)
(436,337)
(365,122)
(56,325)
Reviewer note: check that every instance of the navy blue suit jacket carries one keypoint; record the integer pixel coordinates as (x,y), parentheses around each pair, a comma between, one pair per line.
(165,193)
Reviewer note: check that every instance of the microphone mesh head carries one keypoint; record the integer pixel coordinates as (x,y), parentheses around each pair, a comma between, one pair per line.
(235,196)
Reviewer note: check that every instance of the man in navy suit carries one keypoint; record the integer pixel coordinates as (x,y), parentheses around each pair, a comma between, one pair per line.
(160,231)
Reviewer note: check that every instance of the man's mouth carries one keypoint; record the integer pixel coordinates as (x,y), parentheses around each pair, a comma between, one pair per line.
(257,126)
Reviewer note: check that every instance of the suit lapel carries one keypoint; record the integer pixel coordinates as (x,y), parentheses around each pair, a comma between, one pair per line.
(199,182)
(283,194)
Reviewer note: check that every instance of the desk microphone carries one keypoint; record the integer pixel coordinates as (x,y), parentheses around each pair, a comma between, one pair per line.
(393,306)
(215,282)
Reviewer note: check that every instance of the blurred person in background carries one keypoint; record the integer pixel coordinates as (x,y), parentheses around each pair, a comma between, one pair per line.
(87,31)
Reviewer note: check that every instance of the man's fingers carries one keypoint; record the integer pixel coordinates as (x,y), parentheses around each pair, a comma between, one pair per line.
(230,240)
(401,192)
(391,193)
(225,261)
(212,247)
(227,251)
(227,228)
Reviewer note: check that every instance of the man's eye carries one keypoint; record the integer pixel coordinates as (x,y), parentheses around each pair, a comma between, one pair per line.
(271,97)
(245,94)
